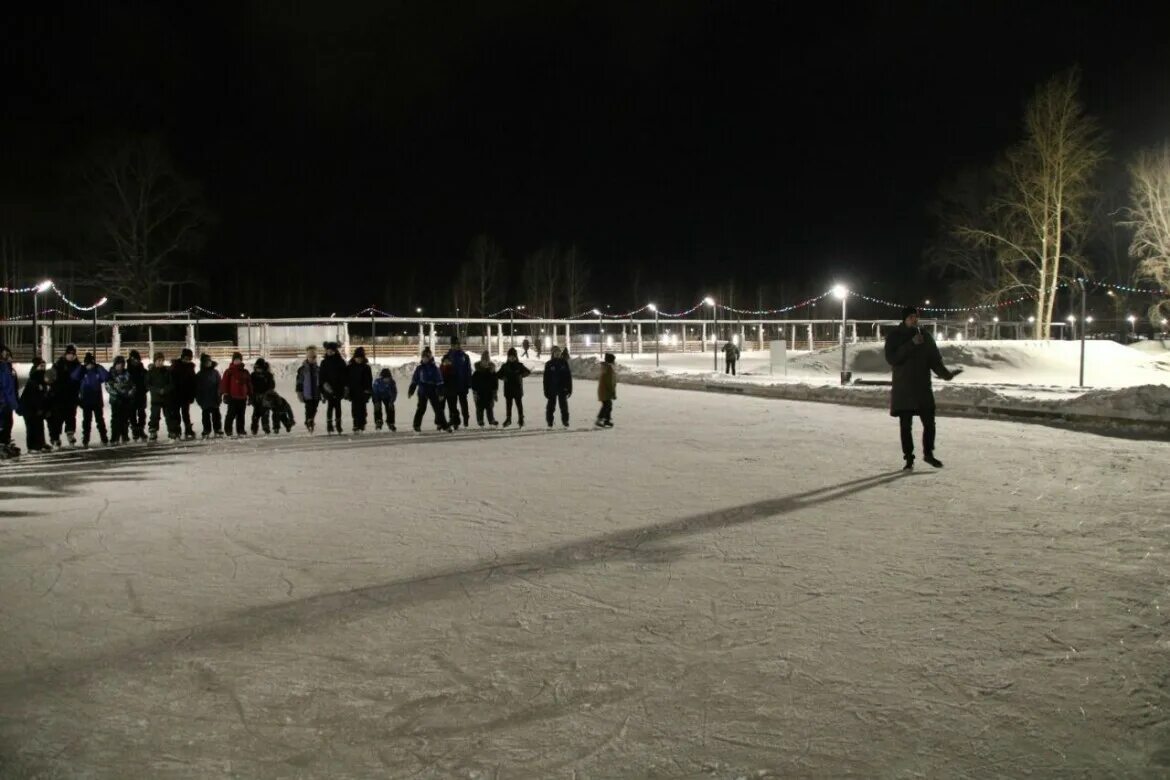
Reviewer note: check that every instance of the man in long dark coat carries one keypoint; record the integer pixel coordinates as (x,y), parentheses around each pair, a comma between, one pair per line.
(913,355)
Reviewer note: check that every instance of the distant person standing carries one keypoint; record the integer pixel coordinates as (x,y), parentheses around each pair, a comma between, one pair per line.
(360,382)
(512,375)
(524,345)
(65,391)
(183,371)
(558,386)
(90,377)
(334,379)
(427,381)
(607,391)
(730,357)
(137,371)
(462,384)
(309,387)
(913,355)
(236,387)
(207,396)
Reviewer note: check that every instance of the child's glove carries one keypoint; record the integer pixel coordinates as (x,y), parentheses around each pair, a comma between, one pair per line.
(300,396)
(410,392)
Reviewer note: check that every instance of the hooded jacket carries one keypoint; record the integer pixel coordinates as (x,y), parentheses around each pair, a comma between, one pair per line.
(161,383)
(512,374)
(558,379)
(65,387)
(607,383)
(120,386)
(263,381)
(236,382)
(359,378)
(207,385)
(484,382)
(8,387)
(462,364)
(34,399)
(184,379)
(137,373)
(426,375)
(89,379)
(385,389)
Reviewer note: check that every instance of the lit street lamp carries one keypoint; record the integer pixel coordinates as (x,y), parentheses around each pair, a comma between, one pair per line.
(657,341)
(1132,320)
(841,293)
(714,324)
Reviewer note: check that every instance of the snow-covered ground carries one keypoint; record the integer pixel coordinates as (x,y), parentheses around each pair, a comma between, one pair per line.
(719,587)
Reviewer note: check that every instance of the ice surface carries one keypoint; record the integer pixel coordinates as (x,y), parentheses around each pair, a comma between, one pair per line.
(719,587)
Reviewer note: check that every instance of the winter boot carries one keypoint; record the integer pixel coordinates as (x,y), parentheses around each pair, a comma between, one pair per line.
(392,428)
(933,461)
(507,421)
(909,463)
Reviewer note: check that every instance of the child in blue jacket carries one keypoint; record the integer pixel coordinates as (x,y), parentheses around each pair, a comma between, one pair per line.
(385,394)
(428,381)
(90,377)
(120,386)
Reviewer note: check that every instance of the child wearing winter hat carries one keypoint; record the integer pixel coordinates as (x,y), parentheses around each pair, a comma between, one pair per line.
(207,395)
(309,386)
(34,406)
(161,385)
(334,382)
(486,386)
(262,383)
(512,375)
(428,381)
(9,405)
(236,388)
(606,391)
(385,393)
(450,390)
(90,377)
(120,388)
(137,372)
(359,382)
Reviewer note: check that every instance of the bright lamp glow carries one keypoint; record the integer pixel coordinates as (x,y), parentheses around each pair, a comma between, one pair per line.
(651,307)
(709,301)
(45,285)
(995,319)
(596,313)
(1163,320)
(1131,318)
(1032,319)
(840,292)
(970,319)
(1089,319)
(102,302)
(1071,318)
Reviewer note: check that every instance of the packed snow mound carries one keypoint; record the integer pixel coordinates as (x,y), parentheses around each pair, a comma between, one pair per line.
(1146,402)
(1107,363)
(1159,347)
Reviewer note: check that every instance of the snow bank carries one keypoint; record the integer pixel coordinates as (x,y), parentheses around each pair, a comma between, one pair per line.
(1107,363)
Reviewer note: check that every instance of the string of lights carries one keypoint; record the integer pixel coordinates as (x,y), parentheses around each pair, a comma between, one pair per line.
(757,312)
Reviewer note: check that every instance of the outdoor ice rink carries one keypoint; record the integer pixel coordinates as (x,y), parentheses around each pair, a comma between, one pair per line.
(718,587)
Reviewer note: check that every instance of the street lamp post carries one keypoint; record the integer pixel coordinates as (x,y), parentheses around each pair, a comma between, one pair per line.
(1132,320)
(600,335)
(657,340)
(842,293)
(96,306)
(1084,327)
(40,288)
(714,324)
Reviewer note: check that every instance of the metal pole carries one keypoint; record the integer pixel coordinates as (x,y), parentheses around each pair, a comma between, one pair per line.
(373,339)
(844,301)
(95,332)
(600,336)
(511,328)
(715,337)
(1084,293)
(36,330)
(657,339)
(250,339)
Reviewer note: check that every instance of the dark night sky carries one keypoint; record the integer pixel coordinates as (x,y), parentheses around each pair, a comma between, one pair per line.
(768,142)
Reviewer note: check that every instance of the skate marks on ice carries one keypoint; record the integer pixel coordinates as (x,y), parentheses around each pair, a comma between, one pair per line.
(319,612)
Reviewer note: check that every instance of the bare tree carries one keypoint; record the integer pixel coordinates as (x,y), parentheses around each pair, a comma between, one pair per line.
(1041,212)
(576,274)
(542,278)
(1149,215)
(486,263)
(149,217)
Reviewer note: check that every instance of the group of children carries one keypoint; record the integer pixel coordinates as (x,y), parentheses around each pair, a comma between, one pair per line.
(53,394)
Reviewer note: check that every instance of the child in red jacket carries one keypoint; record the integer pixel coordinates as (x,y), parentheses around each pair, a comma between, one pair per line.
(236,388)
